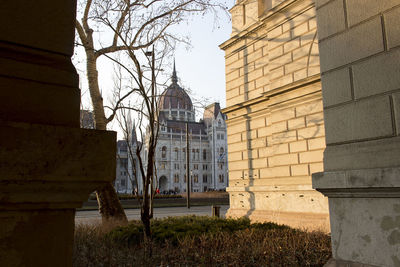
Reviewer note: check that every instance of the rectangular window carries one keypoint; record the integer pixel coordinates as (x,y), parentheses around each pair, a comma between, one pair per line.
(205,166)
(122,182)
(176,178)
(204,178)
(196,178)
(221,178)
(195,166)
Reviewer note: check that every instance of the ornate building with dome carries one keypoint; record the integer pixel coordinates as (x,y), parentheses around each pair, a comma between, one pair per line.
(207,144)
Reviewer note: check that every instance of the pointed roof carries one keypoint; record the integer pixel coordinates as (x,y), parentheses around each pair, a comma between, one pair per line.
(174,77)
(175,97)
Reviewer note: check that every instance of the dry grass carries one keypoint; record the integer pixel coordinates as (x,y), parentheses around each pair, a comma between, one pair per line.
(255,246)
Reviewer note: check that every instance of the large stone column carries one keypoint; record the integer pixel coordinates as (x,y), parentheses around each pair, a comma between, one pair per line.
(359,42)
(48,166)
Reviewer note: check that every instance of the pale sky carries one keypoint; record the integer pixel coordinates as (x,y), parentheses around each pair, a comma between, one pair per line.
(200,68)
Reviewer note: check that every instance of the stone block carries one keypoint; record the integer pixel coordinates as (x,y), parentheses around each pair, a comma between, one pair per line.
(282,115)
(365,119)
(232,75)
(309,108)
(298,146)
(281,171)
(285,80)
(331,19)
(377,75)
(234,156)
(284,137)
(311,132)
(275,32)
(291,45)
(31,19)
(274,53)
(392,19)
(316,167)
(234,138)
(281,160)
(346,47)
(368,154)
(280,61)
(280,40)
(45,103)
(281,149)
(311,156)
(296,123)
(359,10)
(308,37)
(337,87)
(315,119)
(279,127)
(299,75)
(265,131)
(300,29)
(299,170)
(276,73)
(316,143)
(368,223)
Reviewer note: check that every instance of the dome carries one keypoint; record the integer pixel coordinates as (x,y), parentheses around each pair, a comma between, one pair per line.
(175,97)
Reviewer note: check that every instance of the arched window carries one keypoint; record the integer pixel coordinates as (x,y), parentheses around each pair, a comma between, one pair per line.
(219,123)
(176,152)
(164,152)
(221,152)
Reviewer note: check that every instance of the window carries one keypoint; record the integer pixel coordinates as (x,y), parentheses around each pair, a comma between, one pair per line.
(221,152)
(220,166)
(196,178)
(195,166)
(164,152)
(183,153)
(176,178)
(122,182)
(218,137)
(204,154)
(176,152)
(194,153)
(198,154)
(219,123)
(222,136)
(184,178)
(221,178)
(176,166)
(204,178)
(184,166)
(162,166)
(205,167)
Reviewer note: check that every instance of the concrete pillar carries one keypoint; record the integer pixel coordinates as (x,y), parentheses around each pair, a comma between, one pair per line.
(48,165)
(359,44)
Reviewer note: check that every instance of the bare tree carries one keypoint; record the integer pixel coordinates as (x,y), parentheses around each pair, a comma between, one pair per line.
(131,25)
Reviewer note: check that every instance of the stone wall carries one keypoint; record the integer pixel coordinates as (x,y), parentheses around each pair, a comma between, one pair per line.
(275,113)
(359,43)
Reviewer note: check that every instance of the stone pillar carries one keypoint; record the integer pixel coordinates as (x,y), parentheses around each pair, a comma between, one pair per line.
(359,43)
(48,165)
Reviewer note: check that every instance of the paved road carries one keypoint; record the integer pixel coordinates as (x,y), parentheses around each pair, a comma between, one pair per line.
(93,216)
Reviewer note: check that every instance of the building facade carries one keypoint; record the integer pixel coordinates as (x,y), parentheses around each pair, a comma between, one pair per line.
(207,144)
(275,124)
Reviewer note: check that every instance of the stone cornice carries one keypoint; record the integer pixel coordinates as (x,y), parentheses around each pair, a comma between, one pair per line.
(262,22)
(280,90)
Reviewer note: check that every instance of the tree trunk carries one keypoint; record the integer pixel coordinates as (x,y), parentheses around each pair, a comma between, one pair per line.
(110,207)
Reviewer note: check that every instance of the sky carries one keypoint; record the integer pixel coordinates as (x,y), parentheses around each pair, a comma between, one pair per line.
(200,67)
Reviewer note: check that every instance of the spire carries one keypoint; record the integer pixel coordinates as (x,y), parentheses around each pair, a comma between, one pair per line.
(174,77)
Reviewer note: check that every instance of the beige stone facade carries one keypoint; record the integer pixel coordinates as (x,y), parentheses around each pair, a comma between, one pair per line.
(276,133)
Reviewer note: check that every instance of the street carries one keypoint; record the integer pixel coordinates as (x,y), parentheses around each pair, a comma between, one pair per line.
(92,216)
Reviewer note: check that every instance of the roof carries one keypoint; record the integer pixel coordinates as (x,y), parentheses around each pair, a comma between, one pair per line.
(175,97)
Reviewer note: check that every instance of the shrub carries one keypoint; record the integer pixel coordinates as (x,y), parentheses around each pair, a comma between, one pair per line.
(201,241)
